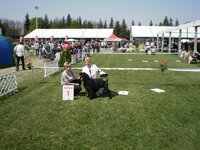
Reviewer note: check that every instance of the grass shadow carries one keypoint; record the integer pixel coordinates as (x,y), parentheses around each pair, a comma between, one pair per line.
(12,93)
(83,93)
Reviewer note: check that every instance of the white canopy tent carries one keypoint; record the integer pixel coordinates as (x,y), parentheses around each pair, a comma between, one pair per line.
(70,33)
(60,33)
(185,31)
(146,31)
(153,31)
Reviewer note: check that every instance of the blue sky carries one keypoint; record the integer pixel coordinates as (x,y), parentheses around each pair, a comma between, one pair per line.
(140,10)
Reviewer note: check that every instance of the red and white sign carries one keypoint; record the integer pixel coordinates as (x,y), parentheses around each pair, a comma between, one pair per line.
(68,92)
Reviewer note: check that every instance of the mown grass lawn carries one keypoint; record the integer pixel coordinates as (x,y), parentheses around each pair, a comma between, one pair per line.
(36,117)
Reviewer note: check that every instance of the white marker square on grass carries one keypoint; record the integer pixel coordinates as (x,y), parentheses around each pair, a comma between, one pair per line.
(144,61)
(123,92)
(158,90)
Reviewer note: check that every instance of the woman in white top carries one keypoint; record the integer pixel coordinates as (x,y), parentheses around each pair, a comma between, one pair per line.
(91,69)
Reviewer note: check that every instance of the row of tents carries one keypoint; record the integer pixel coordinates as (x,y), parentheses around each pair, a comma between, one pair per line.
(74,34)
(136,32)
(111,38)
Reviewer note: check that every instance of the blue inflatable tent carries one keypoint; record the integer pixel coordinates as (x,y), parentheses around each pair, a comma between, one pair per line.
(6,53)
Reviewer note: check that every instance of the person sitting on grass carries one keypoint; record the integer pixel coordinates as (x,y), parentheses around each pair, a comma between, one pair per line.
(68,78)
(192,58)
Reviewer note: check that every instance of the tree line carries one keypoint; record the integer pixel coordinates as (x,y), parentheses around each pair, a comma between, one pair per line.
(13,29)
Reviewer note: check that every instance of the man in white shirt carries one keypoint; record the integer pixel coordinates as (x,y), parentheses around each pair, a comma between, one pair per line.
(91,69)
(19,52)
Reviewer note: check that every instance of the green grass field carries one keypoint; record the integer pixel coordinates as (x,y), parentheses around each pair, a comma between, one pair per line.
(36,117)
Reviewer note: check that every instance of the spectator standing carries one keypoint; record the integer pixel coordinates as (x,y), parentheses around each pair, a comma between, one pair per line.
(147,47)
(36,47)
(19,53)
(41,49)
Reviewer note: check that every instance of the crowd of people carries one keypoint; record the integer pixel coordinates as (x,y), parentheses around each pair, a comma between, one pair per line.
(76,49)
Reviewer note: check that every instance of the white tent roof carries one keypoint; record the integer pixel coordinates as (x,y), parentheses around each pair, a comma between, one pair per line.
(50,33)
(147,31)
(90,33)
(192,24)
(186,32)
(152,31)
(75,33)
(71,33)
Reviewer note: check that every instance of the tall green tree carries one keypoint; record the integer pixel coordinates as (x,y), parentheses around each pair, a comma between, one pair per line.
(89,25)
(74,24)
(124,30)
(139,24)
(3,27)
(57,23)
(117,29)
(166,21)
(41,24)
(100,24)
(111,23)
(27,23)
(170,22)
(160,24)
(151,23)
(85,22)
(68,20)
(176,22)
(132,23)
(105,24)
(12,28)
(50,23)
(80,22)
(95,24)
(63,22)
(46,21)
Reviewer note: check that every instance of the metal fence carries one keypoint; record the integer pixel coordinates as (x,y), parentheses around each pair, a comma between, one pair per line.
(8,83)
(50,68)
